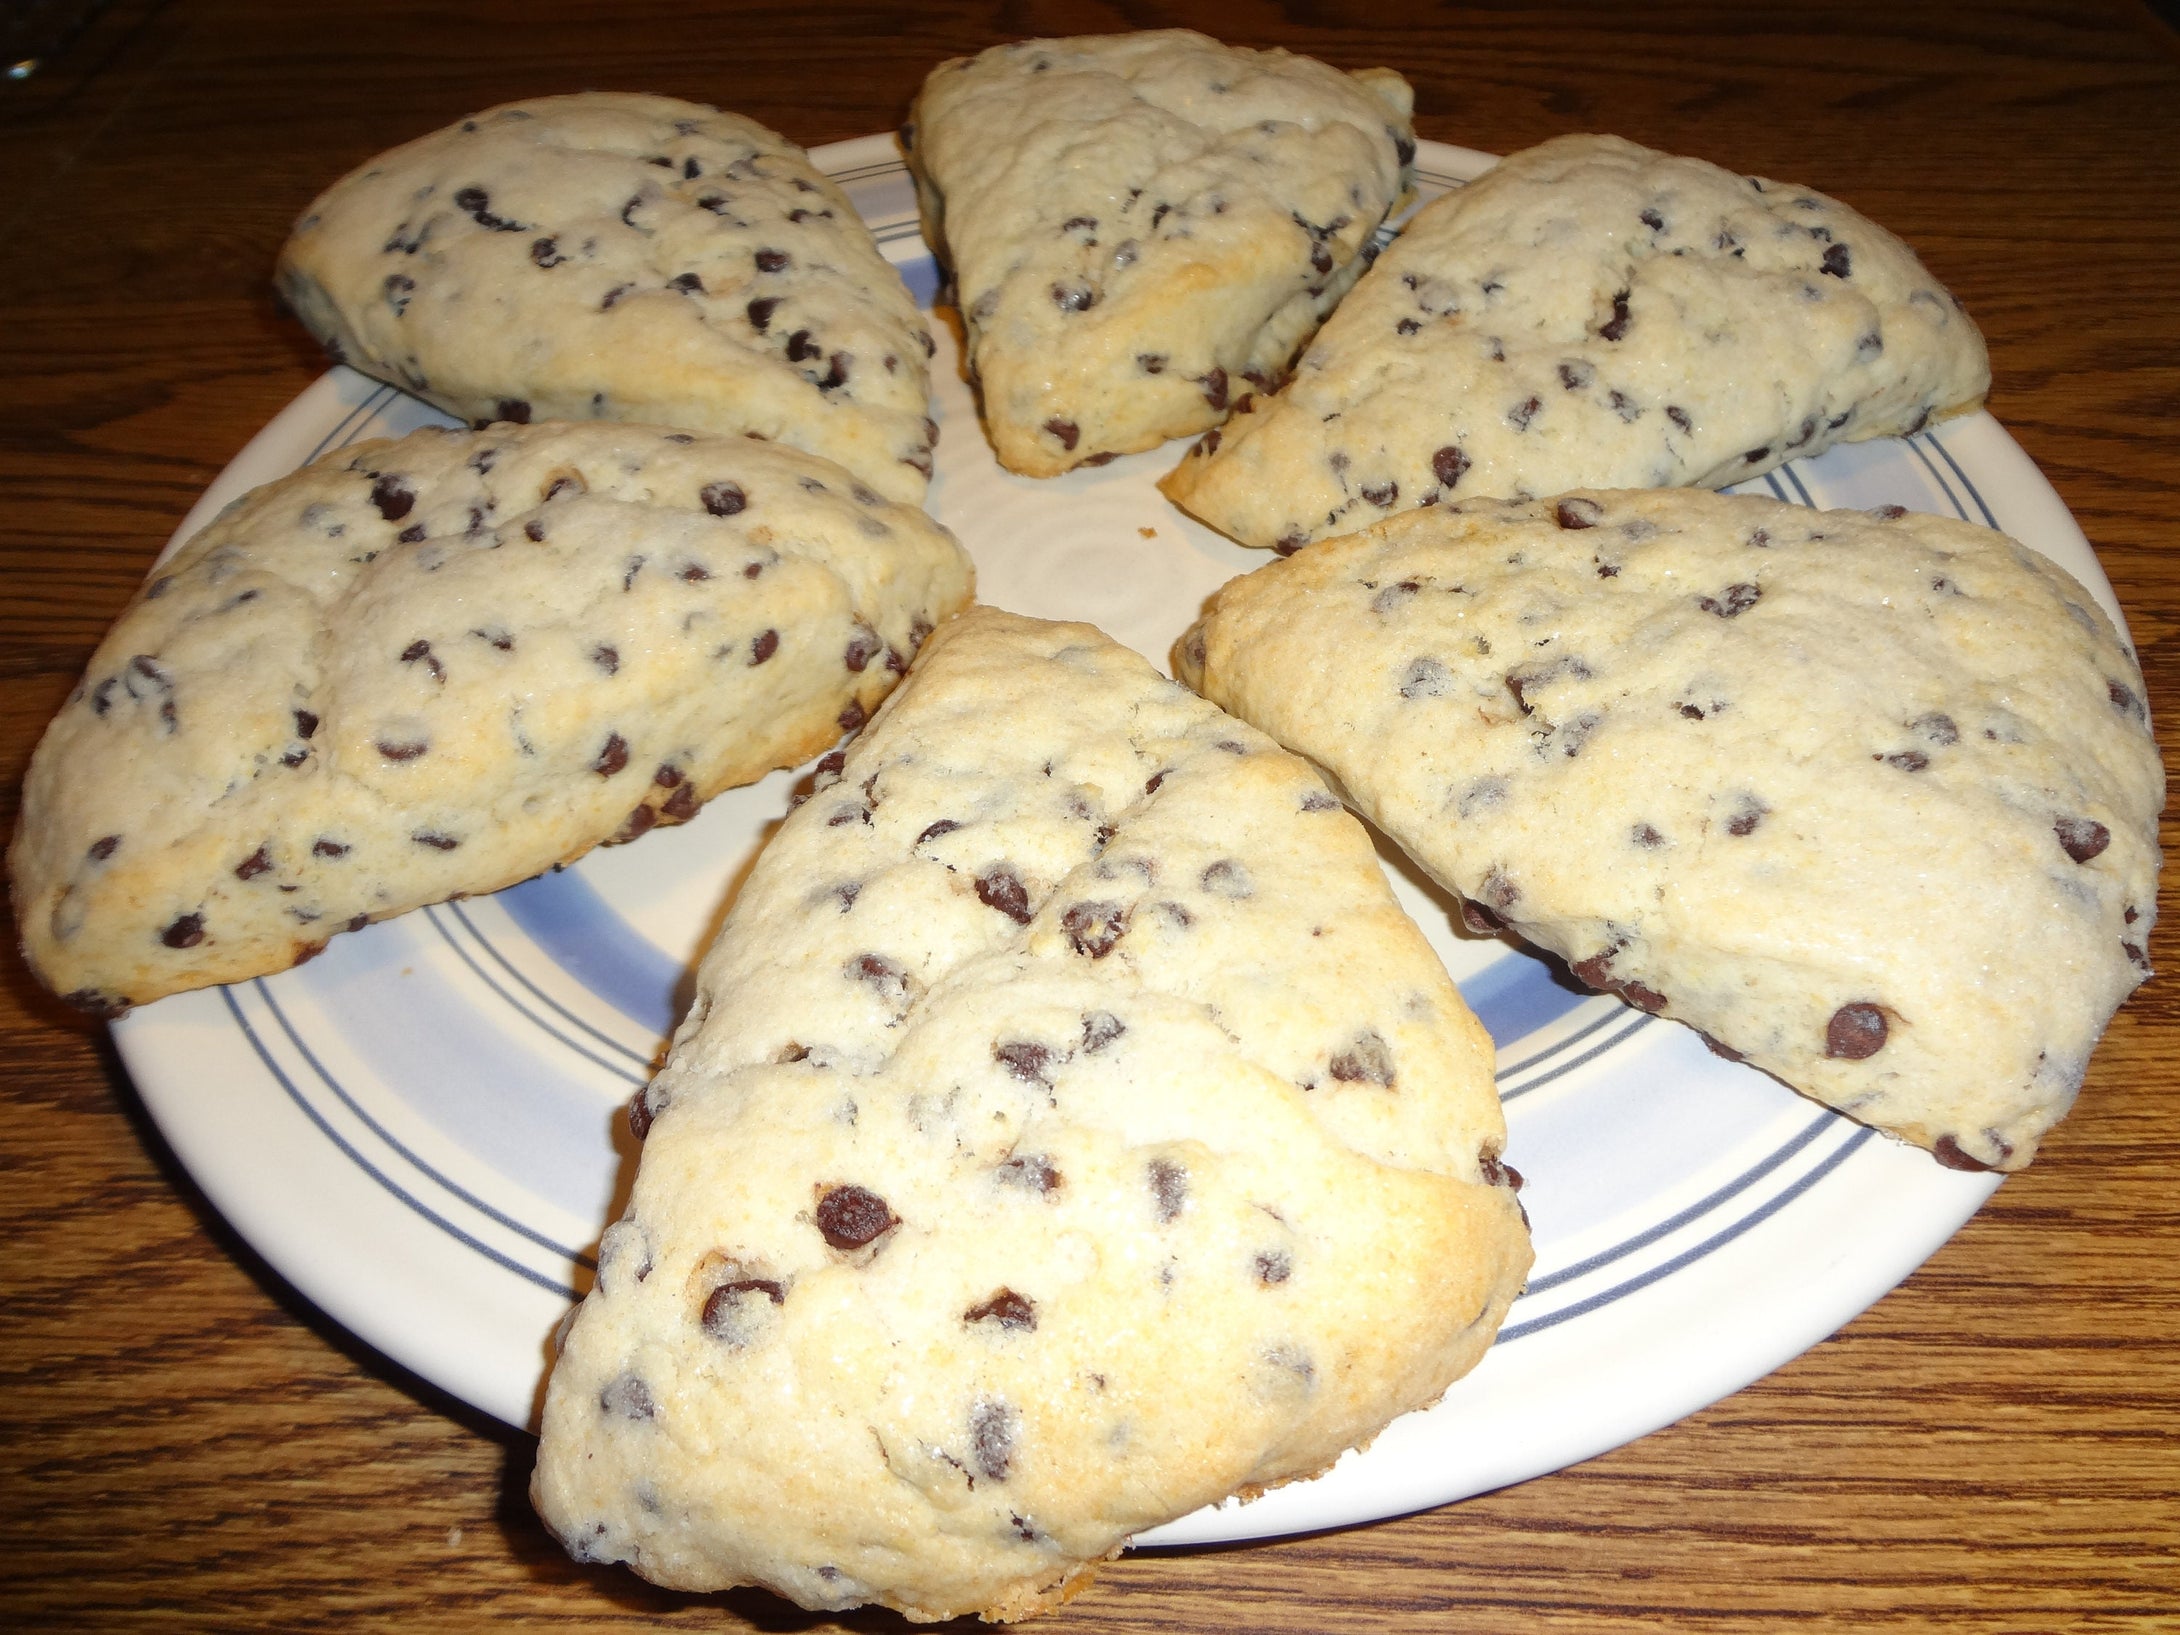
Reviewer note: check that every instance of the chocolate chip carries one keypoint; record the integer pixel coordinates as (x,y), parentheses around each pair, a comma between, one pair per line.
(546,252)
(1574,376)
(1577,512)
(944,826)
(888,980)
(848,1217)
(681,805)
(393,497)
(1066,431)
(1001,888)
(2123,698)
(1948,1151)
(771,260)
(1369,1060)
(512,408)
(1616,327)
(1094,928)
(257,863)
(723,1316)
(723,499)
(1755,454)
(435,840)
(1745,819)
(863,646)
(1652,220)
(1318,801)
(1907,760)
(1074,297)
(1646,836)
(1026,1059)
(1936,726)
(398,288)
(402,750)
(852,716)
(1381,495)
(186,932)
(1732,601)
(306,723)
(1006,1308)
(1425,678)
(1214,388)
(687,283)
(1836,261)
(102,848)
(612,758)
(800,347)
(328,848)
(1151,363)
(2082,838)
(627,1397)
(1099,1029)
(763,646)
(1169,1188)
(478,203)
(1856,1031)
(639,822)
(1032,1171)
(1679,417)
(993,1430)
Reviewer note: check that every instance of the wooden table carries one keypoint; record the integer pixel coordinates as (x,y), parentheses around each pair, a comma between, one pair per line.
(185,1444)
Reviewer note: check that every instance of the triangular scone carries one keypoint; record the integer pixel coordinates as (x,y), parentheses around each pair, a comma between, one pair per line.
(1141,224)
(1869,798)
(434,667)
(1591,314)
(619,257)
(1068,1131)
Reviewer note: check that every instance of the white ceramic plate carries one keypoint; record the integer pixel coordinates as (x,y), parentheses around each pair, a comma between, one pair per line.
(423,1128)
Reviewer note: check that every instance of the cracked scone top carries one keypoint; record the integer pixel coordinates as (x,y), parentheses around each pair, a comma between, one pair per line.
(437,666)
(1068,1131)
(1139,224)
(1591,314)
(610,256)
(1869,798)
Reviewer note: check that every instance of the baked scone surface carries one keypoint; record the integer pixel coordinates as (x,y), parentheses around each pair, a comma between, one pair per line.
(1138,224)
(437,666)
(1591,314)
(1068,1131)
(610,256)
(1869,798)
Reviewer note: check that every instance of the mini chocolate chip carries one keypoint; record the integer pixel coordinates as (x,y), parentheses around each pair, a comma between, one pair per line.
(1318,801)
(1836,261)
(257,863)
(1026,1059)
(401,751)
(103,847)
(1214,388)
(1066,431)
(1006,1308)
(2082,838)
(771,260)
(1907,760)
(1856,1031)
(1747,817)
(1099,1029)
(1151,363)
(1755,454)
(1652,220)
(681,805)
(1094,928)
(1646,836)
(800,347)
(1001,888)
(186,932)
(613,757)
(1382,495)
(722,1317)
(1948,1151)
(1679,417)
(1169,1188)
(1936,726)
(852,716)
(1577,512)
(1425,678)
(512,408)
(393,497)
(306,723)
(328,848)
(398,288)
(1576,375)
(2123,698)
(993,1428)
(606,658)
(1074,297)
(435,840)
(763,646)
(411,534)
(1732,601)
(687,283)
(723,499)
(627,1397)
(546,252)
(863,646)
(1616,327)
(1369,1060)
(944,826)
(848,1217)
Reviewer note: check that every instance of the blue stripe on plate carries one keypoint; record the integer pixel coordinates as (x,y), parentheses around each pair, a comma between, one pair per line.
(579,931)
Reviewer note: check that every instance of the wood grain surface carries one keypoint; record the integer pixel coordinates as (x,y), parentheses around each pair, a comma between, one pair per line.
(185,1445)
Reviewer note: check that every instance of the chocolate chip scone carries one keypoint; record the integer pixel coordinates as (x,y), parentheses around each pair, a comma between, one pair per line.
(1068,1131)
(433,667)
(620,257)
(1138,224)
(1590,314)
(1868,798)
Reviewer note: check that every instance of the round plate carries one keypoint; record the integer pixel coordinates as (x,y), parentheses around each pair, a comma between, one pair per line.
(423,1129)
